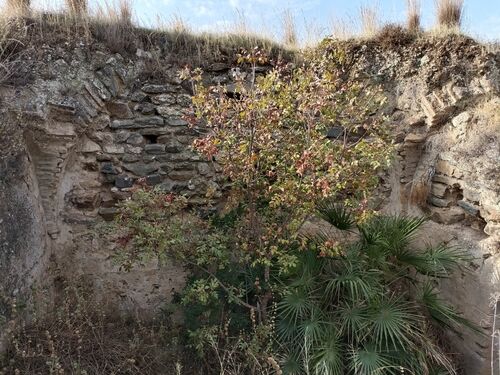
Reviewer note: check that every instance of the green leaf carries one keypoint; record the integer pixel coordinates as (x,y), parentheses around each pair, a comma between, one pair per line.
(353,320)
(443,314)
(354,283)
(392,233)
(393,323)
(295,305)
(328,356)
(368,360)
(335,214)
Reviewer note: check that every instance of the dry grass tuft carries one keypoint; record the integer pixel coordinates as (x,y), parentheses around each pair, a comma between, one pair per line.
(178,25)
(393,36)
(289,29)
(369,21)
(16,8)
(342,29)
(125,11)
(413,16)
(110,26)
(449,13)
(77,7)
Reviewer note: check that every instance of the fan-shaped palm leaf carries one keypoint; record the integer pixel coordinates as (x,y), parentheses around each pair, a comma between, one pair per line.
(393,323)
(353,283)
(328,355)
(441,260)
(442,313)
(392,233)
(291,364)
(313,327)
(336,214)
(295,305)
(287,332)
(368,360)
(353,320)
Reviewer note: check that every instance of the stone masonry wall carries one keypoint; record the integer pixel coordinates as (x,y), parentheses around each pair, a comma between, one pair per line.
(89,128)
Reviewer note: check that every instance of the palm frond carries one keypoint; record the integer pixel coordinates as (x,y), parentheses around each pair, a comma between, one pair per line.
(353,320)
(392,233)
(287,332)
(328,357)
(313,327)
(295,305)
(443,314)
(368,360)
(336,214)
(445,259)
(394,323)
(353,283)
(291,364)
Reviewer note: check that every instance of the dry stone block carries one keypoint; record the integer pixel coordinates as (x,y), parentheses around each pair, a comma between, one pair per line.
(438,202)
(438,190)
(181,175)
(90,146)
(121,136)
(108,213)
(145,108)
(176,121)
(450,181)
(136,139)
(468,207)
(415,138)
(119,110)
(155,148)
(109,168)
(448,215)
(461,120)
(164,99)
(159,89)
(113,149)
(141,169)
(448,169)
(492,229)
(124,181)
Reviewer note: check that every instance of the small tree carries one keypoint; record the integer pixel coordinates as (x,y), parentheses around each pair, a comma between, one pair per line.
(270,135)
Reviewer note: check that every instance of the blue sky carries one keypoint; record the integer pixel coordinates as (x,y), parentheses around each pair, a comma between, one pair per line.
(481,19)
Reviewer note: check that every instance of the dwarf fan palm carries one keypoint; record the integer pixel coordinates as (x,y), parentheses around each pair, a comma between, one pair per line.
(353,312)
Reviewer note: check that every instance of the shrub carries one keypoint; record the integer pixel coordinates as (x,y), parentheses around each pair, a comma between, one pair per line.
(270,135)
(449,13)
(350,307)
(79,336)
(391,36)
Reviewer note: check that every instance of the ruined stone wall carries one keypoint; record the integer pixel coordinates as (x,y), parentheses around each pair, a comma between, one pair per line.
(90,124)
(88,128)
(444,111)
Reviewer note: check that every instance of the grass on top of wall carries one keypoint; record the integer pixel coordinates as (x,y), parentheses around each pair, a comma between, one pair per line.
(112,29)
